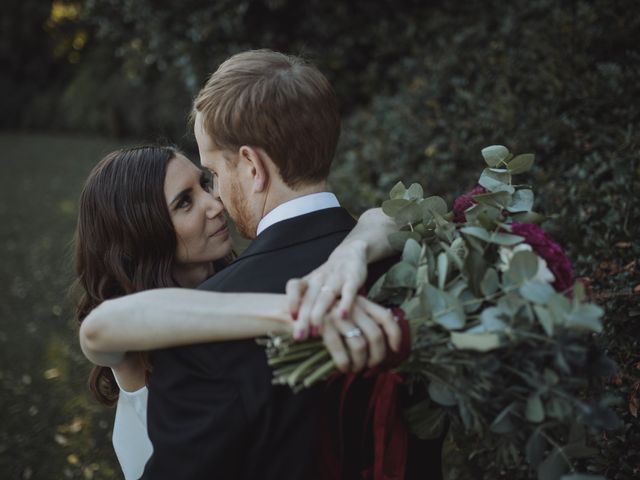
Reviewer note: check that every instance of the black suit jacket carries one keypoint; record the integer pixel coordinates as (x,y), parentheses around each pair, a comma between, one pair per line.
(213,412)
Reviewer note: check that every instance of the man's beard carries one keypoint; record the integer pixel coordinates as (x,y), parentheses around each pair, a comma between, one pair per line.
(242,214)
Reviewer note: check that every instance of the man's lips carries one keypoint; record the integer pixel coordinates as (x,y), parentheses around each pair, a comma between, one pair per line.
(222,230)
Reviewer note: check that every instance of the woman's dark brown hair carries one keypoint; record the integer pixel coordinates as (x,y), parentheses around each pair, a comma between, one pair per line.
(125,241)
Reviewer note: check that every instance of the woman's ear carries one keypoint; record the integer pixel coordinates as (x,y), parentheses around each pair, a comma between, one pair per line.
(255,162)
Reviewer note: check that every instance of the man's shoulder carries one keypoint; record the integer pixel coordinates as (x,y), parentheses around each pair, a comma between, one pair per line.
(285,250)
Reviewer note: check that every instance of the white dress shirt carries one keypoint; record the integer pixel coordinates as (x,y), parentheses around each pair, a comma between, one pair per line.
(296,207)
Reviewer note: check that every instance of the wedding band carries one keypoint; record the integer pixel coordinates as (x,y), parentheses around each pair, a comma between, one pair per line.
(354,332)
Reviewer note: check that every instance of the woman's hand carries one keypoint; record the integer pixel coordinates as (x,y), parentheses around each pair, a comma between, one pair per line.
(361,340)
(337,280)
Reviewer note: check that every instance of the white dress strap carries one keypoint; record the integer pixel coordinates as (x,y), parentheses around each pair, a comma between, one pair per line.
(130,438)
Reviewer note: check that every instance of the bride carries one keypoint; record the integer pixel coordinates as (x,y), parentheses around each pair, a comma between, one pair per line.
(150,228)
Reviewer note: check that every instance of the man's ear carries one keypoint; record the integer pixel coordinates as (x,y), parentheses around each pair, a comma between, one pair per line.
(255,161)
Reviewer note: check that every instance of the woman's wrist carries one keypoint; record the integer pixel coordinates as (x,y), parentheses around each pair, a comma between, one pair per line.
(350,248)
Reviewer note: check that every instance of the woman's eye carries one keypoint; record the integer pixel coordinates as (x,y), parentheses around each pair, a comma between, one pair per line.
(184,202)
(206,183)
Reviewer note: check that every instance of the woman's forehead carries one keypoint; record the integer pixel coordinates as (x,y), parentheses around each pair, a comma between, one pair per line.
(181,173)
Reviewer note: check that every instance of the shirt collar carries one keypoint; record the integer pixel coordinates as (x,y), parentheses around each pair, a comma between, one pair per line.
(298,206)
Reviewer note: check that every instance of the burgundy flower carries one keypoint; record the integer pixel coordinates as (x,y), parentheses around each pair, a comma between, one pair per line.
(465,201)
(550,250)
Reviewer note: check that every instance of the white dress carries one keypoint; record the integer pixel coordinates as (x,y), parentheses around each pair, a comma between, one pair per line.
(130,439)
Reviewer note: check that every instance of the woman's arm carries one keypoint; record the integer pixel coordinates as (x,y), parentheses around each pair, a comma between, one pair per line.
(342,275)
(172,317)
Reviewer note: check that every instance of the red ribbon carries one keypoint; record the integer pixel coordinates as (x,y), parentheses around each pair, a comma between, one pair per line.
(384,418)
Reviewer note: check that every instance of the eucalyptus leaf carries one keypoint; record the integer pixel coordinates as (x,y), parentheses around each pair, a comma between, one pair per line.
(579,293)
(521,163)
(397,191)
(443,265)
(479,342)
(431,205)
(376,292)
(490,282)
(444,229)
(470,302)
(495,154)
(490,319)
(392,207)
(523,266)
(504,239)
(401,275)
(494,199)
(496,181)
(558,408)
(521,201)
(559,307)
(502,423)
(534,449)
(412,308)
(534,410)
(475,267)
(409,214)
(544,317)
(411,252)
(586,316)
(536,292)
(398,239)
(457,288)
(442,394)
(414,192)
(553,467)
(446,310)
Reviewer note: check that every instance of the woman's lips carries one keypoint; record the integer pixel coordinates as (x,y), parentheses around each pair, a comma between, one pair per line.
(222,230)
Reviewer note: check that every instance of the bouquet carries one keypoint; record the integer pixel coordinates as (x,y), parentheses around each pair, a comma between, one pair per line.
(502,340)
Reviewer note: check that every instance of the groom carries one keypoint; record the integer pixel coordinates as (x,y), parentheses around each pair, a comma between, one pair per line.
(267,126)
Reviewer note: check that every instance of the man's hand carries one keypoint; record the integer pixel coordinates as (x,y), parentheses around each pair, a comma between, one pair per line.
(337,280)
(361,340)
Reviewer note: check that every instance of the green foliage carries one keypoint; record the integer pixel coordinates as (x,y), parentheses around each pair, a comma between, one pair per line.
(505,356)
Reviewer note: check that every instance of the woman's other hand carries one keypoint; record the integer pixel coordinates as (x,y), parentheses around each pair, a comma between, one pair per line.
(332,286)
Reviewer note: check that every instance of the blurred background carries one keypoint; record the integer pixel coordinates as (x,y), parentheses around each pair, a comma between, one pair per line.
(423,85)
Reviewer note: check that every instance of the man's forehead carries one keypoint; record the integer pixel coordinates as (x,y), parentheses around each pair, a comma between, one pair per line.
(202,137)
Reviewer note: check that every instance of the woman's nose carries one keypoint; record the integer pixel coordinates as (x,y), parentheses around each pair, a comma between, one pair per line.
(214,206)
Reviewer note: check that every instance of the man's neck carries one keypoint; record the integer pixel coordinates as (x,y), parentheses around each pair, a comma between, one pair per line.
(277,197)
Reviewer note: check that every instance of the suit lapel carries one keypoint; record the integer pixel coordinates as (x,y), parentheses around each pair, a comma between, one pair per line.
(300,229)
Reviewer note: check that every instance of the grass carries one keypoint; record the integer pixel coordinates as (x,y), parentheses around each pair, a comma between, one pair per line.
(51,427)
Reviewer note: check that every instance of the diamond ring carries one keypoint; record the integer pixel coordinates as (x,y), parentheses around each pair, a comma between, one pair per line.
(354,332)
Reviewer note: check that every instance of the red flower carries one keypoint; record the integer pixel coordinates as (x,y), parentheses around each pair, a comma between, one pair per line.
(465,201)
(545,246)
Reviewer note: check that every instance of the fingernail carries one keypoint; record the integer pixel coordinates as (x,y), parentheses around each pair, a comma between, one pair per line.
(345,314)
(294,315)
(315,331)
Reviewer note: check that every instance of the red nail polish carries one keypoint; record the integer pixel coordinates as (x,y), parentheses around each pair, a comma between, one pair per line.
(315,331)
(345,314)
(294,315)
